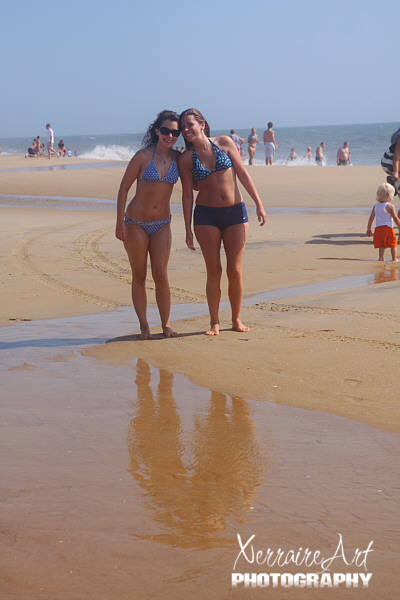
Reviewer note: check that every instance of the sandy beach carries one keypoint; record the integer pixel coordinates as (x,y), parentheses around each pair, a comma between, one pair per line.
(134,465)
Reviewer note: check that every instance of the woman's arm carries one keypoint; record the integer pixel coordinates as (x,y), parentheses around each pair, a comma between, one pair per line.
(186,175)
(245,179)
(130,175)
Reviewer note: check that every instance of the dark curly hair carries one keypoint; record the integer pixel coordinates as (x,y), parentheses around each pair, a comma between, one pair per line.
(150,137)
(198,117)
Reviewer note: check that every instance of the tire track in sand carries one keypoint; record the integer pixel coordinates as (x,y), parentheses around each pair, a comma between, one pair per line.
(20,255)
(87,246)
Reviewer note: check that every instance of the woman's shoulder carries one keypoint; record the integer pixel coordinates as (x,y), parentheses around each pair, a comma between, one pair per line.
(223,141)
(185,157)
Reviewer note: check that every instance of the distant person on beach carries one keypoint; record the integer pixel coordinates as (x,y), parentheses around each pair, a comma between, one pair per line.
(390,161)
(69,153)
(237,140)
(50,141)
(292,156)
(211,165)
(319,154)
(385,214)
(343,155)
(32,150)
(269,144)
(145,227)
(61,148)
(40,150)
(252,140)
(308,155)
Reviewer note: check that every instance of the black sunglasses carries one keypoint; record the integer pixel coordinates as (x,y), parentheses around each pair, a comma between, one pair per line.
(167,131)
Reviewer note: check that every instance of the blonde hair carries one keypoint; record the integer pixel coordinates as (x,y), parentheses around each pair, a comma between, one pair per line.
(384,191)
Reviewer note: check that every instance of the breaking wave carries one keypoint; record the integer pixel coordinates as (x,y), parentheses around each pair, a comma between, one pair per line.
(113,152)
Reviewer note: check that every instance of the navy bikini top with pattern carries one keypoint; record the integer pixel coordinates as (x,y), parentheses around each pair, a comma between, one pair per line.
(151,174)
(222,162)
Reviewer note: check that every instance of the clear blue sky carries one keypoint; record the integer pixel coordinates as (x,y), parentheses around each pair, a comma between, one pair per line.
(97,66)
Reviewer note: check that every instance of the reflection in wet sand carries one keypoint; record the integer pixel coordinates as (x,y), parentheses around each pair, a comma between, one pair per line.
(386,276)
(196,476)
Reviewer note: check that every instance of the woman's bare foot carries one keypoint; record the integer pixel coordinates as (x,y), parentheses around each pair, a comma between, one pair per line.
(214,330)
(145,334)
(169,332)
(238,326)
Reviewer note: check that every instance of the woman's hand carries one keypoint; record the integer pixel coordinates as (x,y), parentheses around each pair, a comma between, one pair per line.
(121,232)
(189,241)
(261,215)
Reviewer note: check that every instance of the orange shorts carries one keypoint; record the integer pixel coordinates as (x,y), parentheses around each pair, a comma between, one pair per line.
(384,237)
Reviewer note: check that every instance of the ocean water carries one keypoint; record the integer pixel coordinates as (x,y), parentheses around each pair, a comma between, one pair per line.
(367,143)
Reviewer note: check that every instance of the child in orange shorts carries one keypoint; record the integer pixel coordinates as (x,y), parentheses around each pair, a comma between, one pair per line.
(385,214)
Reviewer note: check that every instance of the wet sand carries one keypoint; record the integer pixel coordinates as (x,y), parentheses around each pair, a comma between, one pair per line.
(133,465)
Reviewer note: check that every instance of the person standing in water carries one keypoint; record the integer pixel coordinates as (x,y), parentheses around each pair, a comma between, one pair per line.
(319,154)
(145,228)
(252,140)
(269,144)
(210,165)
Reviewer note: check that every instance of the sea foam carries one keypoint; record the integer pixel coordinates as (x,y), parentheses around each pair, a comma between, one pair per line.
(113,152)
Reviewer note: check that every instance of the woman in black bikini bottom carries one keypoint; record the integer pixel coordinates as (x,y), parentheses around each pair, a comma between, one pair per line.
(210,165)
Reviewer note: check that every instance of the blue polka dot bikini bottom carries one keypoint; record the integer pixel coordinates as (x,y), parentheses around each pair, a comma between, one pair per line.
(149,227)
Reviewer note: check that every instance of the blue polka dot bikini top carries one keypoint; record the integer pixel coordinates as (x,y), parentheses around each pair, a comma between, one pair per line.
(151,174)
(222,162)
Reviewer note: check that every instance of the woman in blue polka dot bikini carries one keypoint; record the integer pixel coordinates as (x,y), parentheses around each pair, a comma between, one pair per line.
(145,227)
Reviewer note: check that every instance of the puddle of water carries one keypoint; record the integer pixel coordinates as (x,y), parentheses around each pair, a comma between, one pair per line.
(117,475)
(64,203)
(84,330)
(55,167)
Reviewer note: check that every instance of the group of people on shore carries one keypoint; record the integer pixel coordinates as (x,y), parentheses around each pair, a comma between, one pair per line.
(210,166)
(270,147)
(37,148)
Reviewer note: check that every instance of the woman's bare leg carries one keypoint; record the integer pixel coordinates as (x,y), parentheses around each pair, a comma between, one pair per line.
(159,249)
(234,239)
(209,239)
(137,246)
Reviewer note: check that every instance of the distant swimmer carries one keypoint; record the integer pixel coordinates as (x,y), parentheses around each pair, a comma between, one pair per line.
(308,155)
(292,156)
(319,154)
(252,140)
(269,144)
(343,155)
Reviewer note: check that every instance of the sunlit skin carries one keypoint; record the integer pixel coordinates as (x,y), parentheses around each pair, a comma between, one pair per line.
(151,202)
(218,190)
